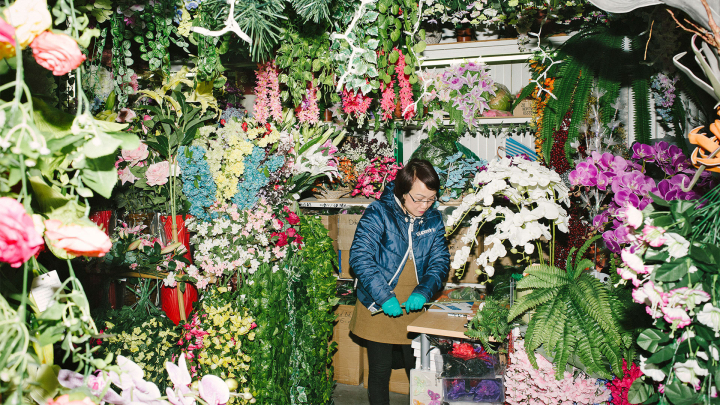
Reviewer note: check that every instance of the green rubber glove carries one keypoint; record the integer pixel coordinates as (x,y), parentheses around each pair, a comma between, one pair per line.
(415,302)
(392,308)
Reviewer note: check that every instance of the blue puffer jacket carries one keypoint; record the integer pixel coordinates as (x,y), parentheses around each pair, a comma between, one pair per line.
(381,248)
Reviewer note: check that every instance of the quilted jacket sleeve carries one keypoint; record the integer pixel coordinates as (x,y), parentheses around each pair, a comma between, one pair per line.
(438,265)
(366,243)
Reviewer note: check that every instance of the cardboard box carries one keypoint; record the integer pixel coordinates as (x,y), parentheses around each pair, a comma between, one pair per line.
(348,359)
(399,382)
(331,224)
(344,261)
(523,109)
(455,243)
(346,230)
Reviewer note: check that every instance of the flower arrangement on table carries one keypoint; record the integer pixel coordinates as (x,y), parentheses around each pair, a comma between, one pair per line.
(463,90)
(526,384)
(458,175)
(217,339)
(376,175)
(611,183)
(236,242)
(522,199)
(673,270)
(148,339)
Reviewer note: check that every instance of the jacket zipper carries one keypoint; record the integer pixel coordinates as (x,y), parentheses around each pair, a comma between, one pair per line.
(409,252)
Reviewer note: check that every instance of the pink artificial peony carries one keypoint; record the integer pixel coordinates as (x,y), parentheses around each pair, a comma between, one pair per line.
(57,52)
(157,174)
(77,240)
(19,240)
(134,156)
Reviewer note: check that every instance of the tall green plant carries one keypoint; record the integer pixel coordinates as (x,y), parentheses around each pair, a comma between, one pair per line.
(575,315)
(609,55)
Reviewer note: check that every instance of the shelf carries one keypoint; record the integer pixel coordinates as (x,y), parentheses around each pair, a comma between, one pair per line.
(488,51)
(341,203)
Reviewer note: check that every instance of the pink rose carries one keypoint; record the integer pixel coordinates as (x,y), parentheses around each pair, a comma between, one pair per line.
(157,174)
(18,238)
(293,218)
(7,40)
(77,240)
(126,176)
(134,156)
(57,52)
(125,115)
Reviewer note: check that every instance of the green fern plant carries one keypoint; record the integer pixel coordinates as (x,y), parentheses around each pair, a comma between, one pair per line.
(615,60)
(575,315)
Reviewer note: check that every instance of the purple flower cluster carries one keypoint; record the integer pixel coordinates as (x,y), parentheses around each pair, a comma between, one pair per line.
(469,85)
(631,185)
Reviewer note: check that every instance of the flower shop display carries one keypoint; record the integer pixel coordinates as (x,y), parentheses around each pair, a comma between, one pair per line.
(527,384)
(372,181)
(673,274)
(525,196)
(457,174)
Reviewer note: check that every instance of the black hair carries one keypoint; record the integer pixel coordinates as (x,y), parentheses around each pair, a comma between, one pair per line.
(416,169)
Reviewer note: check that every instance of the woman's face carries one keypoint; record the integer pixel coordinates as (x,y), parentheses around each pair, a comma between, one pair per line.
(419,199)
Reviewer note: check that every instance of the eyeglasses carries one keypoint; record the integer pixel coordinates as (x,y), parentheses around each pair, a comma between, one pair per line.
(432,201)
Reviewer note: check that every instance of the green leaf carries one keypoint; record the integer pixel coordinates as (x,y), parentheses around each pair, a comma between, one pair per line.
(101,175)
(650,339)
(639,392)
(680,394)
(672,271)
(665,354)
(664,221)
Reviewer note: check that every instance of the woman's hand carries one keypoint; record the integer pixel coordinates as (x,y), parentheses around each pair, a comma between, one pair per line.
(392,308)
(415,302)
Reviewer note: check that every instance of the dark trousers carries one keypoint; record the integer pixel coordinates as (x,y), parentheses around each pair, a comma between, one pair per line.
(382,359)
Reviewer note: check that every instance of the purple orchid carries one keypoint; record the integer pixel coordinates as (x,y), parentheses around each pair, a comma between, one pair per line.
(71,380)
(585,174)
(643,152)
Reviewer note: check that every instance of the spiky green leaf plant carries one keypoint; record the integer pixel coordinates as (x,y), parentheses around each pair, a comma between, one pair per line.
(575,317)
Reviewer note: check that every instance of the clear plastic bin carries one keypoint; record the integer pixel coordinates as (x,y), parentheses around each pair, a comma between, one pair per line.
(473,390)
(484,366)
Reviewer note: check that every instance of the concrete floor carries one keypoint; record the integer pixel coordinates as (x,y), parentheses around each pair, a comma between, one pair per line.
(357,395)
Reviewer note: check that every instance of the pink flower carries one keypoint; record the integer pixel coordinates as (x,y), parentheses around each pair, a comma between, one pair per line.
(77,240)
(19,240)
(126,176)
(293,218)
(7,40)
(157,173)
(653,235)
(125,115)
(65,400)
(649,294)
(676,316)
(134,156)
(57,52)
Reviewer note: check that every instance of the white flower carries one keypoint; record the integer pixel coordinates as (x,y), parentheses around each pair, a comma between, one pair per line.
(710,316)
(170,281)
(490,270)
(634,262)
(634,216)
(651,370)
(677,245)
(689,371)
(461,257)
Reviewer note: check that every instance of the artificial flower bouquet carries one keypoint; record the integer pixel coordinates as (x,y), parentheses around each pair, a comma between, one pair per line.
(143,253)
(376,175)
(522,199)
(147,338)
(217,339)
(673,270)
(457,175)
(315,155)
(611,183)
(466,360)
(236,242)
(462,90)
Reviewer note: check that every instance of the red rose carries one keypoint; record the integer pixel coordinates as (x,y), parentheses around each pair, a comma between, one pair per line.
(298,239)
(282,238)
(463,351)
(293,218)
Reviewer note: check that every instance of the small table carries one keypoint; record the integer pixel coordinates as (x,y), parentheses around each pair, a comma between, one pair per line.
(439,324)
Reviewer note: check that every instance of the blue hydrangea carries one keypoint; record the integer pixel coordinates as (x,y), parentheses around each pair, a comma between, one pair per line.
(198,184)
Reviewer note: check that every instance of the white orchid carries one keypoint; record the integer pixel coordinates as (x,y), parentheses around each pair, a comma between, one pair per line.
(710,317)
(533,189)
(689,371)
(651,370)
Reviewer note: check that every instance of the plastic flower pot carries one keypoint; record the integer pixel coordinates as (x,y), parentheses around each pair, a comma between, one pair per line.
(182,232)
(170,304)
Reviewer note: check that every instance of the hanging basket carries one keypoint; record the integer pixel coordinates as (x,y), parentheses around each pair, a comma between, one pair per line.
(170,305)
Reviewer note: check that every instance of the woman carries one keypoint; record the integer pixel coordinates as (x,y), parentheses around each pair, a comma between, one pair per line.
(399,255)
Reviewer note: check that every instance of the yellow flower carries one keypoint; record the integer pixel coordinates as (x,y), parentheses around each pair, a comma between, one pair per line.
(140,357)
(185,23)
(30,18)
(137,331)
